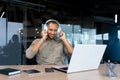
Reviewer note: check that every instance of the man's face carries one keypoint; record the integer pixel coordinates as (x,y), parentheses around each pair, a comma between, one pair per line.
(52,30)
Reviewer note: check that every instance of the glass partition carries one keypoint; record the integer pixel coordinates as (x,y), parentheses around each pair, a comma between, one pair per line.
(88,36)
(2,32)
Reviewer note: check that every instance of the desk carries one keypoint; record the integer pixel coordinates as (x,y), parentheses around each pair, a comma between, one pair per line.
(57,75)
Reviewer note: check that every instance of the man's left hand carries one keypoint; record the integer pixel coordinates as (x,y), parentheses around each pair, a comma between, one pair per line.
(62,35)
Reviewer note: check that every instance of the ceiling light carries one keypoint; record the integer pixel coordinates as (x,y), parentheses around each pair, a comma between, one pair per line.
(2,14)
(116,18)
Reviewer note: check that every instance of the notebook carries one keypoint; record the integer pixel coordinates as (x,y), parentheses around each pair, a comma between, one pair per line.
(9,71)
(84,57)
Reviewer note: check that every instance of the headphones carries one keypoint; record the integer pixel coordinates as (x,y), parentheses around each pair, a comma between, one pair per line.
(46,28)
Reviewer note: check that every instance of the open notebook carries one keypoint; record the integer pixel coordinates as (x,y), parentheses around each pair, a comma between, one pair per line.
(84,57)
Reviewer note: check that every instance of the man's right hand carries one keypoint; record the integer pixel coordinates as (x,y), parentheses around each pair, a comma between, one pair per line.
(44,34)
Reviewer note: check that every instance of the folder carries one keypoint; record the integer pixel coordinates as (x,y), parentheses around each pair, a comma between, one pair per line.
(9,71)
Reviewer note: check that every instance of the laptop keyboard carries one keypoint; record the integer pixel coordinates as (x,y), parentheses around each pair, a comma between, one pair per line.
(64,68)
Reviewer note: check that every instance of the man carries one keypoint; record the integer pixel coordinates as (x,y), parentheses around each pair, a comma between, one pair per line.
(49,49)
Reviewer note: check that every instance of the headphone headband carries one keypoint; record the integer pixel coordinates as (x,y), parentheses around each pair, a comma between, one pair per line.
(53,21)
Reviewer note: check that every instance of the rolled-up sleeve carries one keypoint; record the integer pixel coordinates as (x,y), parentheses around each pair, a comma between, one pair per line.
(29,53)
(65,50)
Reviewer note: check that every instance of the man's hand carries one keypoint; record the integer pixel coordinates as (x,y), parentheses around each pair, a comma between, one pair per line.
(62,35)
(44,34)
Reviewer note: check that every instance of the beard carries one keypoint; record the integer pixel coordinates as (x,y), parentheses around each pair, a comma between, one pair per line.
(51,36)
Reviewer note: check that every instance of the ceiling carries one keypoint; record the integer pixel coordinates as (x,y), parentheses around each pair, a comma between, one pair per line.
(72,10)
(74,7)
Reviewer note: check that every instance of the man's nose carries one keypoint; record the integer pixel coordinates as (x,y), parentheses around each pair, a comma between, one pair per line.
(53,32)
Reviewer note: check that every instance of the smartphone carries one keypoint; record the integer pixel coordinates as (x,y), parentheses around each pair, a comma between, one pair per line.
(49,70)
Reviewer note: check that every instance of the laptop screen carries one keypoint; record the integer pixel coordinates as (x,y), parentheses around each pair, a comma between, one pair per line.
(84,57)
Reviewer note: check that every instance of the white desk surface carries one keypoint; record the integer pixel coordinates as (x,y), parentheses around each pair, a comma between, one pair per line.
(56,75)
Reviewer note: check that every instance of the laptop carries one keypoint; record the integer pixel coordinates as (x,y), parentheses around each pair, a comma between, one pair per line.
(84,57)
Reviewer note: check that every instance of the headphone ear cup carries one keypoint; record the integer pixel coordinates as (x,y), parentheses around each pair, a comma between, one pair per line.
(59,29)
(45,27)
